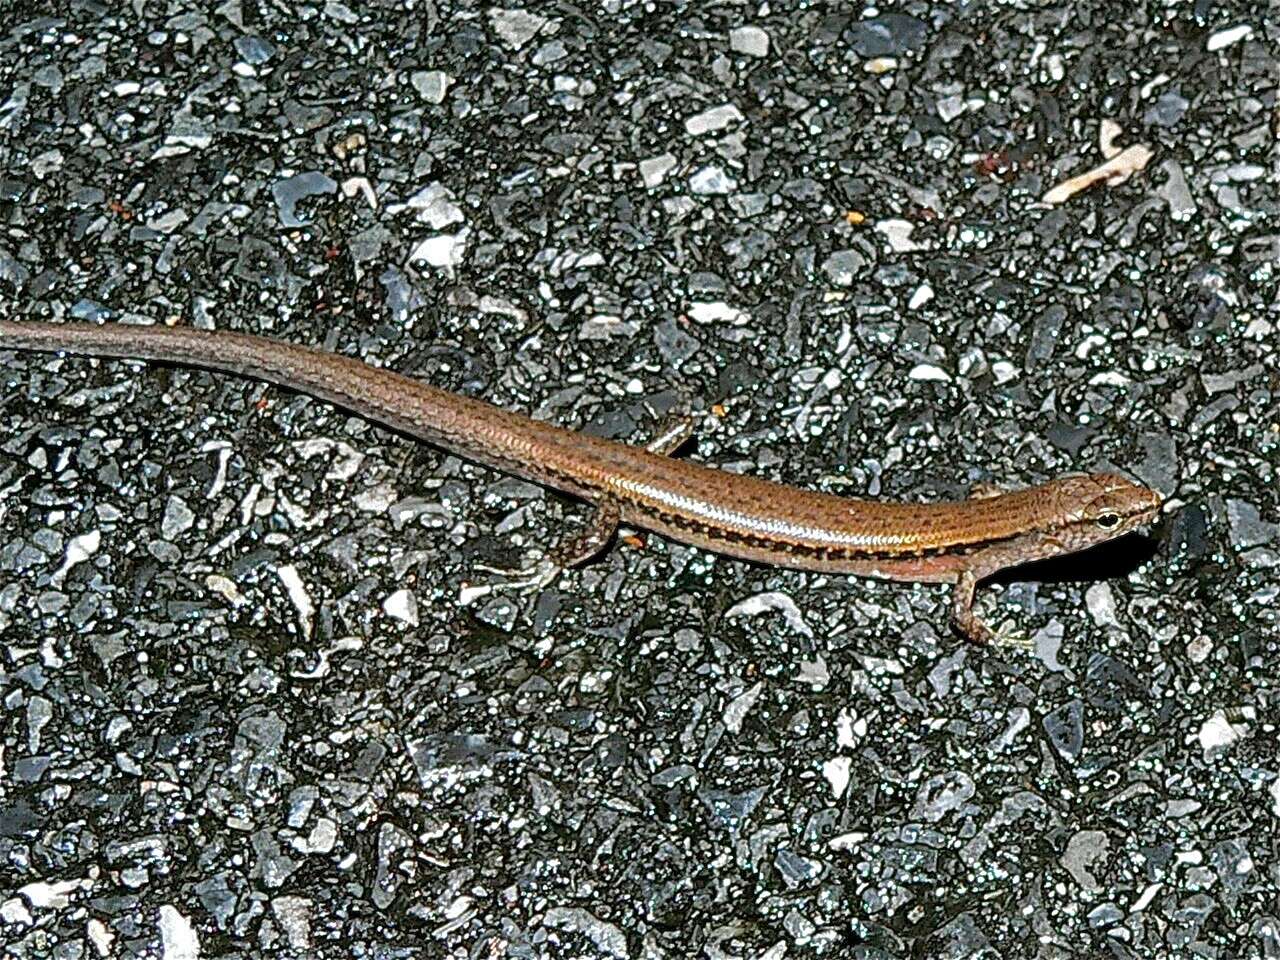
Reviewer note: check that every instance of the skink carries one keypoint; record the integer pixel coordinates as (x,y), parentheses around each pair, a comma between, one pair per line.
(960,542)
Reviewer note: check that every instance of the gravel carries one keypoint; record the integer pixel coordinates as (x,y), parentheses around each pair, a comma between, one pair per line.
(258,698)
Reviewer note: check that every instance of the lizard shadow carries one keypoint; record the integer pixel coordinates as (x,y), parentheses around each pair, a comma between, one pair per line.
(1104,561)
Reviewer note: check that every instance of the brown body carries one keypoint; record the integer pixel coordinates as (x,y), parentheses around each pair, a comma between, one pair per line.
(755,519)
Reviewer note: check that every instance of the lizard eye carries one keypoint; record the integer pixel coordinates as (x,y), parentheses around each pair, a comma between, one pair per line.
(1108,521)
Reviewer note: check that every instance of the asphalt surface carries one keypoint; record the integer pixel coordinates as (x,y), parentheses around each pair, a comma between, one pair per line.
(254,703)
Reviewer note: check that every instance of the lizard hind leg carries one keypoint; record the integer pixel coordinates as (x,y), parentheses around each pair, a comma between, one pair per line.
(570,552)
(600,529)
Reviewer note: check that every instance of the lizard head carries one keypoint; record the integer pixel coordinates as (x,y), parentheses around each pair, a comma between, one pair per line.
(1103,506)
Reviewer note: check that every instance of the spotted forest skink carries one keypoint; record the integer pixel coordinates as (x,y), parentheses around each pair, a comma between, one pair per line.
(959,542)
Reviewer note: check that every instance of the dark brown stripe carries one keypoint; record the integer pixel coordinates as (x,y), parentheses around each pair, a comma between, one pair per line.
(730,536)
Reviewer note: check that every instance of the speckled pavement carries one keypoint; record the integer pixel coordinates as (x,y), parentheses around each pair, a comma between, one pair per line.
(258,700)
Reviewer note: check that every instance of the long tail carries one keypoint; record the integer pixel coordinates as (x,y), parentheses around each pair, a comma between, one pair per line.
(473,428)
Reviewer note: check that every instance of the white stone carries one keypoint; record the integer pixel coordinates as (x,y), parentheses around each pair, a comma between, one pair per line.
(445,250)
(517,27)
(846,735)
(1225,38)
(752,41)
(297,591)
(43,895)
(432,85)
(898,233)
(655,169)
(1218,732)
(716,311)
(402,606)
(101,937)
(923,294)
(15,911)
(950,107)
(435,205)
(836,770)
(737,709)
(712,180)
(177,936)
(1003,371)
(927,371)
(713,119)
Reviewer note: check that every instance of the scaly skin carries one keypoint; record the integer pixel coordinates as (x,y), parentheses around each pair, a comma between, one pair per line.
(956,542)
